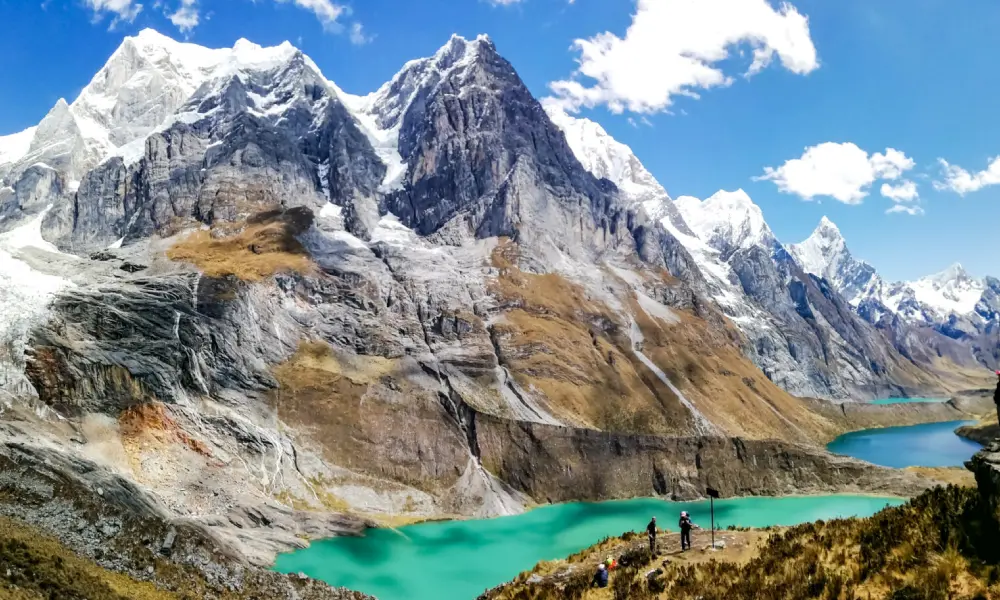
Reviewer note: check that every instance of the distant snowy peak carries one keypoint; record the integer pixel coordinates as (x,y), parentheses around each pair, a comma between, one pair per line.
(952,290)
(727,221)
(954,275)
(825,255)
(930,299)
(606,157)
(822,251)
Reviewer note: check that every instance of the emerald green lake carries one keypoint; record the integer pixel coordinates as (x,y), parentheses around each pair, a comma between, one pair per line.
(908,400)
(458,560)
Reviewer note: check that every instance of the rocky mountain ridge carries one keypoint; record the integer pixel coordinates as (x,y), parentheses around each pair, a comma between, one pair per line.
(282,300)
(951,311)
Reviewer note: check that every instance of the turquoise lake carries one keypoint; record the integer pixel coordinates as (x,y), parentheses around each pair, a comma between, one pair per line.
(928,445)
(458,560)
(908,400)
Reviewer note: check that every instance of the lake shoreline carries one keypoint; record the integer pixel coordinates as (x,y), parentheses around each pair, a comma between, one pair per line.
(460,559)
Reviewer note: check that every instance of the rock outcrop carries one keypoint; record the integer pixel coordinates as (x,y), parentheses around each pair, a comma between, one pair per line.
(120,526)
(986,467)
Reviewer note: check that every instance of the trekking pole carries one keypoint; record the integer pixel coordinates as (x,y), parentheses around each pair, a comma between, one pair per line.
(712,495)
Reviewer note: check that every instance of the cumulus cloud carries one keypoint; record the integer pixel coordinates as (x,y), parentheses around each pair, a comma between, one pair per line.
(960,181)
(122,10)
(905,191)
(674,47)
(842,171)
(904,196)
(185,17)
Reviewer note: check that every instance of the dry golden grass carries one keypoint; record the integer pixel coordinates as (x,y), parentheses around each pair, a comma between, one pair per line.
(727,388)
(35,566)
(253,250)
(556,340)
(946,475)
(576,351)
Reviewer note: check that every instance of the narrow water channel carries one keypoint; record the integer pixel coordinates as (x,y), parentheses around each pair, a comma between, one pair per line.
(457,560)
(910,401)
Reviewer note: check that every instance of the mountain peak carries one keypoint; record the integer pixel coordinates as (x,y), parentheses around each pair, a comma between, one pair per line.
(726,219)
(826,225)
(459,49)
(824,253)
(151,36)
(606,157)
(952,290)
(954,272)
(738,201)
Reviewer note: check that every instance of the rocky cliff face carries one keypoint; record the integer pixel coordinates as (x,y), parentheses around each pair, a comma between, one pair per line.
(559,464)
(285,298)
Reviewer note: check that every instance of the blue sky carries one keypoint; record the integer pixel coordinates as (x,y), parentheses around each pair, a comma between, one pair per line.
(857,78)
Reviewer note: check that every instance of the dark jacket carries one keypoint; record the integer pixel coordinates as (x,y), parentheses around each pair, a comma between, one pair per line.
(600,578)
(685,523)
(651,528)
(996,394)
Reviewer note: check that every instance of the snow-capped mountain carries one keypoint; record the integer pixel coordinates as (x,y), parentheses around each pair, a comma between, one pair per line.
(747,272)
(727,221)
(931,299)
(825,255)
(14,146)
(952,291)
(147,78)
(425,301)
(949,314)
(143,84)
(607,158)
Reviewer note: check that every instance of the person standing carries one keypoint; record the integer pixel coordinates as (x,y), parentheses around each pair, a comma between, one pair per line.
(651,532)
(600,577)
(996,396)
(685,525)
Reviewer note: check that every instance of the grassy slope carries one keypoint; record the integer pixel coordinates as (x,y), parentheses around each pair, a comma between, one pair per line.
(33,566)
(938,546)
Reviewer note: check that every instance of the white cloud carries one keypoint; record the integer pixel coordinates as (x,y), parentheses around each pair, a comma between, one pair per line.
(358,36)
(186,16)
(962,182)
(905,191)
(909,209)
(326,11)
(123,10)
(509,2)
(842,171)
(904,196)
(891,164)
(673,48)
